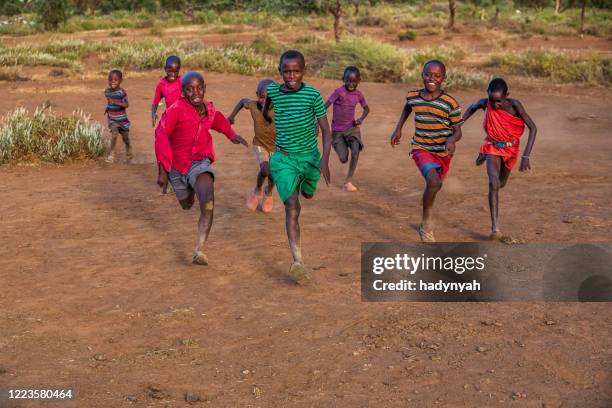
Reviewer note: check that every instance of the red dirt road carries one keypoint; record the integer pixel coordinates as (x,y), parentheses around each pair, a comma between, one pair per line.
(98,293)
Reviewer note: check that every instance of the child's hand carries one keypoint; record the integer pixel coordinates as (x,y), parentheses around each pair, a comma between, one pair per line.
(162,181)
(154,119)
(324,169)
(525,165)
(358,122)
(239,140)
(395,137)
(450,147)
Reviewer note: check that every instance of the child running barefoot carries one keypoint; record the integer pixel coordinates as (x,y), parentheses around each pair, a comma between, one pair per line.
(504,123)
(184,150)
(346,134)
(116,114)
(437,119)
(296,165)
(263,146)
(168,87)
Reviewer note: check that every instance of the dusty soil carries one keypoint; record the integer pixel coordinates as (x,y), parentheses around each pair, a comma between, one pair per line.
(98,292)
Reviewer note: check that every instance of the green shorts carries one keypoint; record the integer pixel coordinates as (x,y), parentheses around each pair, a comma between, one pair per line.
(295,170)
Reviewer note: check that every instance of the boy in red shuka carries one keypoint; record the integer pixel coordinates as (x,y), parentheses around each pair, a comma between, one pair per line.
(504,123)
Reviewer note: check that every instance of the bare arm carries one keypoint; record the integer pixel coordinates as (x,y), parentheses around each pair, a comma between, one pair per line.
(241,104)
(324,125)
(454,138)
(533,130)
(366,112)
(479,104)
(397,132)
(266,109)
(327,104)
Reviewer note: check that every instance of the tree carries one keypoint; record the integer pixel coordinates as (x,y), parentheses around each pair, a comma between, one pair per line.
(52,13)
(584,3)
(451,13)
(335,8)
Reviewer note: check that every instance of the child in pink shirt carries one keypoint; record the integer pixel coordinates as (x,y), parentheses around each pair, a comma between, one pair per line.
(346,134)
(168,87)
(184,150)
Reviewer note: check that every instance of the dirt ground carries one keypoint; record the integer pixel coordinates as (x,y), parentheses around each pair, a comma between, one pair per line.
(98,293)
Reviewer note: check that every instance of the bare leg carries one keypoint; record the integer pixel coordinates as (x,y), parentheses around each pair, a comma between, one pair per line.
(292,214)
(111,149)
(433,185)
(261,177)
(265,170)
(205,190)
(125,134)
(355,148)
(494,164)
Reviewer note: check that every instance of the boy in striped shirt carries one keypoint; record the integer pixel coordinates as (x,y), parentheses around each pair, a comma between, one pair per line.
(118,122)
(296,164)
(437,119)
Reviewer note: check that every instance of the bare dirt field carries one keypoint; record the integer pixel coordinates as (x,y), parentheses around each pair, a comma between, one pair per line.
(97,291)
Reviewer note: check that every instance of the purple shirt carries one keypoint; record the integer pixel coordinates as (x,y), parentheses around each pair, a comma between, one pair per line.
(344,103)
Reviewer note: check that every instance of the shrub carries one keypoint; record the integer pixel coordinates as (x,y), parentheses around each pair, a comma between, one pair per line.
(560,66)
(50,137)
(409,35)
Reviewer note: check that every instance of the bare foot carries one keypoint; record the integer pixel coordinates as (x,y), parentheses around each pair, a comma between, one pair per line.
(199,258)
(350,187)
(496,236)
(253,201)
(268,203)
(426,236)
(298,273)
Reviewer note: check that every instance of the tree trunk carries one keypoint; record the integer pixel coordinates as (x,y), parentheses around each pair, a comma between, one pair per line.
(584,2)
(337,27)
(451,13)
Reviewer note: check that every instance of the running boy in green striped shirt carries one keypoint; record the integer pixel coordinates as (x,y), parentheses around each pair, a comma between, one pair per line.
(296,165)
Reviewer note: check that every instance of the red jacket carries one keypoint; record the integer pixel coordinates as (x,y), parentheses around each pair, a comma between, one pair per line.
(182,137)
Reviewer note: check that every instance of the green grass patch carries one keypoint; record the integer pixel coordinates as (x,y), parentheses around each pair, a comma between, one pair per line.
(63,54)
(407,35)
(560,66)
(47,136)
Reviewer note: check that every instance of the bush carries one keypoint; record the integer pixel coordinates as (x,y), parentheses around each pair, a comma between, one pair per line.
(377,61)
(407,35)
(560,66)
(50,137)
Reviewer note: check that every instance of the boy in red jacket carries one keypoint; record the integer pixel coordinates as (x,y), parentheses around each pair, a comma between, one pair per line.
(184,150)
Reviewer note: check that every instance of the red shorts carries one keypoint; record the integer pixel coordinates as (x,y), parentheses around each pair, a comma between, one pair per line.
(425,161)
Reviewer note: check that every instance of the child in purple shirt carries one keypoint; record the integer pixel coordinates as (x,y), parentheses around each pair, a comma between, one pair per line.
(346,134)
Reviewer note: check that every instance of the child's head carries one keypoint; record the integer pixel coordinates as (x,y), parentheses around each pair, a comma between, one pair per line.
(498,91)
(193,87)
(172,67)
(433,75)
(351,78)
(291,67)
(261,90)
(114,79)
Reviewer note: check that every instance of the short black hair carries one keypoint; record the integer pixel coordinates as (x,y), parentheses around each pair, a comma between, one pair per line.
(173,59)
(436,62)
(292,54)
(498,85)
(115,72)
(190,76)
(351,70)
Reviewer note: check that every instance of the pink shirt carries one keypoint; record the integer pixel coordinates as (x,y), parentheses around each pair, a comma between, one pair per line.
(182,136)
(170,91)
(344,104)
